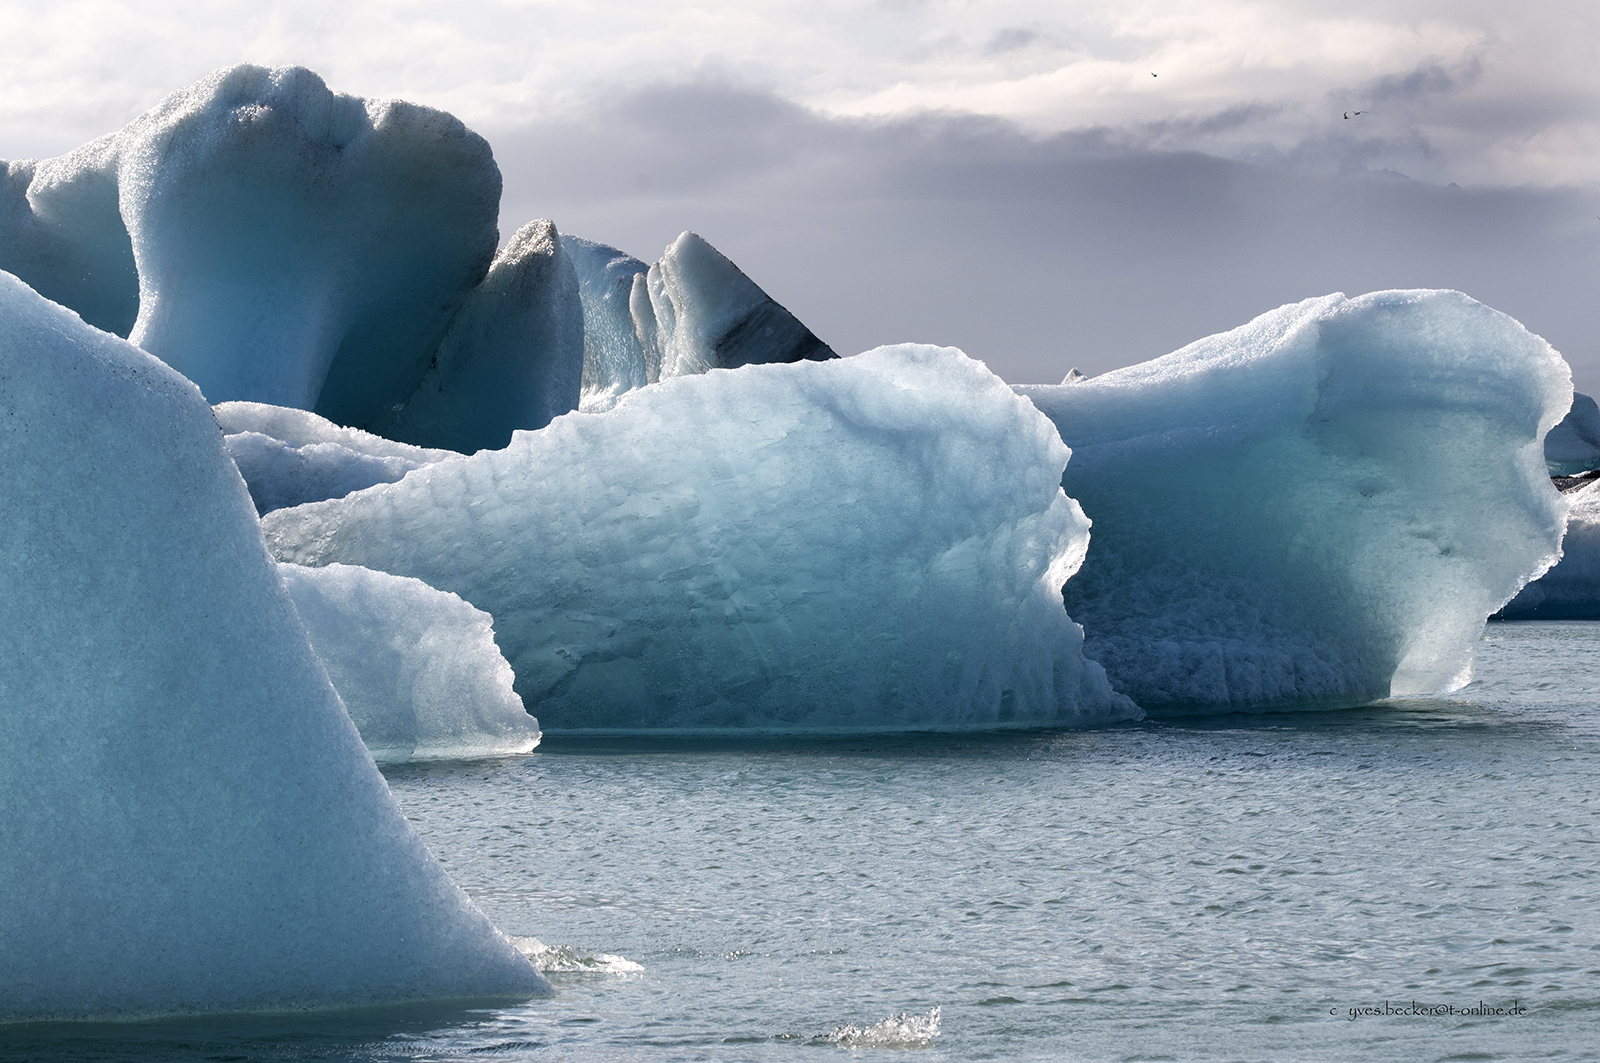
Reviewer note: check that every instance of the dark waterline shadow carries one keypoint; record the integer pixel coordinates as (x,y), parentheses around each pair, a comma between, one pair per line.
(1388,714)
(1394,718)
(394,1031)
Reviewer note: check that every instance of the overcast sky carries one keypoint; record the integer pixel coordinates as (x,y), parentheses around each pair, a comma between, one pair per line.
(1042,184)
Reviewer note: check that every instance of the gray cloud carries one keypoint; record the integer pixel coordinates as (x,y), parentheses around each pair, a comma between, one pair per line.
(1009,40)
(1040,254)
(1430,79)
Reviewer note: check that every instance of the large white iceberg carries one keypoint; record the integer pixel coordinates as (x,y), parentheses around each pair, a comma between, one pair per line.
(1318,508)
(289,456)
(280,243)
(875,543)
(188,818)
(417,668)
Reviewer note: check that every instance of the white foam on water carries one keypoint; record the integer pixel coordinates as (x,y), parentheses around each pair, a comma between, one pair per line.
(565,959)
(897,1031)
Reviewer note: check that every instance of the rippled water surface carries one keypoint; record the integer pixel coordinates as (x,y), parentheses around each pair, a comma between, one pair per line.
(1186,889)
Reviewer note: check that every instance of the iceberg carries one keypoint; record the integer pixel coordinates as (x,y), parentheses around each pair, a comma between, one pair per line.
(189,819)
(512,358)
(868,544)
(61,232)
(280,243)
(418,669)
(1570,590)
(289,456)
(290,245)
(613,361)
(690,312)
(1573,446)
(1319,508)
(695,310)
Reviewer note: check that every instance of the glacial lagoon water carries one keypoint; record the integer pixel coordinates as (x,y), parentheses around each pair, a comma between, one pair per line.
(1329,886)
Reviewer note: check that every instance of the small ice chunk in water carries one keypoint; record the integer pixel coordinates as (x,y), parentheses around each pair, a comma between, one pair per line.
(418,668)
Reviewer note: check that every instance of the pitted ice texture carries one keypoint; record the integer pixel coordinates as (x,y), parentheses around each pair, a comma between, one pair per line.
(1320,507)
(189,819)
(867,544)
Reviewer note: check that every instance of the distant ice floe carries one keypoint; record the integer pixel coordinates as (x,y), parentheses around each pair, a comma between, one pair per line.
(1320,507)
(418,669)
(704,313)
(1573,446)
(289,456)
(873,543)
(692,311)
(188,818)
(1570,590)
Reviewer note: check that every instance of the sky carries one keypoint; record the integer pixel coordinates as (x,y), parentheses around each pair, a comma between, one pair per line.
(1045,185)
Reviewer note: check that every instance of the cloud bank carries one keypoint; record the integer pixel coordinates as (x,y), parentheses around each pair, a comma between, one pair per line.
(1464,90)
(1044,184)
(1036,254)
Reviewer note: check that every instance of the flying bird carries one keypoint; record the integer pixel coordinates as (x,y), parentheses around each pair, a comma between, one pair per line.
(1347,114)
